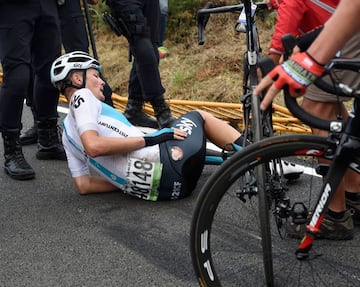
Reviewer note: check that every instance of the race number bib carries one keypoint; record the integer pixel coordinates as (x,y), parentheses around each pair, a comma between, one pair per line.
(143,178)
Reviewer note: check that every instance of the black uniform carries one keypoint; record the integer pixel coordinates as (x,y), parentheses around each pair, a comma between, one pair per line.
(74,35)
(29,43)
(29,37)
(142,20)
(73,30)
(74,38)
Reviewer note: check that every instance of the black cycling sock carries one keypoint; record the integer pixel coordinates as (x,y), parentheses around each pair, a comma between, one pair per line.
(335,214)
(240,141)
(353,196)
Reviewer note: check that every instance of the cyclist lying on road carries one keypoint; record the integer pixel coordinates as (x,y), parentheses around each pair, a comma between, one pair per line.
(162,165)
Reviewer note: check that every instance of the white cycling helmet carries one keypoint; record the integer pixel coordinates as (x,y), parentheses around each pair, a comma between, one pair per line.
(73,61)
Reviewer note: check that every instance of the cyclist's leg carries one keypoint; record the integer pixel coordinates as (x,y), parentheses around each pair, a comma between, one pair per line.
(314,103)
(329,111)
(351,50)
(352,179)
(219,132)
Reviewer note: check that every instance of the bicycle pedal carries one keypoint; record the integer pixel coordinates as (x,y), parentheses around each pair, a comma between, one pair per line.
(299,213)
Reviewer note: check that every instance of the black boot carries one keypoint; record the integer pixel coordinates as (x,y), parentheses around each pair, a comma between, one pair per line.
(15,164)
(135,115)
(49,145)
(162,112)
(31,135)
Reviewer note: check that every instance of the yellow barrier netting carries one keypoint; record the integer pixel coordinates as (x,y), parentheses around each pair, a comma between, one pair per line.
(283,121)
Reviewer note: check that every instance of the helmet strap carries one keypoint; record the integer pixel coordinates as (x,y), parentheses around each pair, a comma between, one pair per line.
(84,79)
(68,84)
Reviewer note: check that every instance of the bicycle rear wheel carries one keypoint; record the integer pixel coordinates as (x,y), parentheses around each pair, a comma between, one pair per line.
(226,240)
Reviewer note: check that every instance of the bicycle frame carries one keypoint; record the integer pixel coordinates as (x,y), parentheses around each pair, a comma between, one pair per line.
(251,61)
(348,146)
(216,236)
(251,103)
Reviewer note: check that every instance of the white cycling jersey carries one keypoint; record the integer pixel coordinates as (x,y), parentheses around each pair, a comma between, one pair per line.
(86,112)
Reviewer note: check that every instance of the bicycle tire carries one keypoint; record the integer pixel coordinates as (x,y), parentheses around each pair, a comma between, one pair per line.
(225,237)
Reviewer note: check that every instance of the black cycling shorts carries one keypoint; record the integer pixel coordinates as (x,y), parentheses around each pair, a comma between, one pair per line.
(183,160)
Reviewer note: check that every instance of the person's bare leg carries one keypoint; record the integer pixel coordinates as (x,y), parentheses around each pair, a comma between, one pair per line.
(351,180)
(218,131)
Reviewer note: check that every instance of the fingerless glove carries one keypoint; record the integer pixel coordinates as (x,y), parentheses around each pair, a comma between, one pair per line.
(300,71)
(159,136)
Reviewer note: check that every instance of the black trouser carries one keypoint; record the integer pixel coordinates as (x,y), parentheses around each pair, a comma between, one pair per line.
(142,20)
(73,29)
(74,36)
(29,43)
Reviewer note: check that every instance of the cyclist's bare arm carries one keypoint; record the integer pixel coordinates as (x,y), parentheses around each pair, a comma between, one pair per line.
(344,23)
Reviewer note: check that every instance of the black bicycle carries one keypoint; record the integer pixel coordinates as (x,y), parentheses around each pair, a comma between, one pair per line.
(256,124)
(236,240)
(251,61)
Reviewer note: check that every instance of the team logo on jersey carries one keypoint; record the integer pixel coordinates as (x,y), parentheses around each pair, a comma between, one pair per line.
(113,128)
(77,100)
(176,153)
(186,125)
(176,190)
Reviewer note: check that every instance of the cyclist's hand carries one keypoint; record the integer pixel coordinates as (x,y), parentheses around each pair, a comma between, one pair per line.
(164,135)
(297,73)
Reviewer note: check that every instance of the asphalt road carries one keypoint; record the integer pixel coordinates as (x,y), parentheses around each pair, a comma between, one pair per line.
(51,236)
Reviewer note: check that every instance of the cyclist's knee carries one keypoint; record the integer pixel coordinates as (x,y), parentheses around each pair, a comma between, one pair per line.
(205,115)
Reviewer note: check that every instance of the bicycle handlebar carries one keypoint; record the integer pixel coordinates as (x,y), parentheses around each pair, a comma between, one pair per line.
(289,42)
(203,15)
(202,19)
(304,116)
(337,89)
